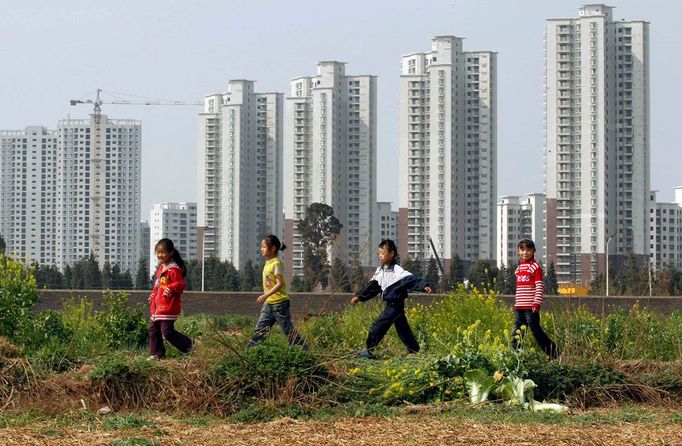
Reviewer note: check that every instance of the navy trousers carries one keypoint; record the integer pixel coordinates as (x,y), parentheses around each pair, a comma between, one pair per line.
(393,314)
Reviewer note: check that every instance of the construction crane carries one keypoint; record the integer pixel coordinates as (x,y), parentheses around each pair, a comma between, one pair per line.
(97,179)
(98,103)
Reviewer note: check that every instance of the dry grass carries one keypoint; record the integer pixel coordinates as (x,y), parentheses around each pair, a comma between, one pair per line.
(407,430)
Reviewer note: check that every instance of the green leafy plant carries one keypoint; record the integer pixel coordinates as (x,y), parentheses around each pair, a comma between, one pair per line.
(18,295)
(119,325)
(479,385)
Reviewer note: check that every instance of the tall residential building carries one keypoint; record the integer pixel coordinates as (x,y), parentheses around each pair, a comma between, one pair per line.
(386,222)
(330,139)
(518,219)
(27,193)
(145,240)
(175,221)
(666,231)
(448,152)
(597,141)
(240,171)
(98,191)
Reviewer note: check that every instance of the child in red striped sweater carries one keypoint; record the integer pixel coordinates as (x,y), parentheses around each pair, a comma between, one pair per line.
(529,290)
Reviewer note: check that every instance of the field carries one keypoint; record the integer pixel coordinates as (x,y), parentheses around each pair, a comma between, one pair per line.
(80,376)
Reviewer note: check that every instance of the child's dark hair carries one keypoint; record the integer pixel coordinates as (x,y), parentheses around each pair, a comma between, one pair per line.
(168,245)
(390,245)
(527,243)
(272,240)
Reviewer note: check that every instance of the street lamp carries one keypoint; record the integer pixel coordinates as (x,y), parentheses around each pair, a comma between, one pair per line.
(203,255)
(607,263)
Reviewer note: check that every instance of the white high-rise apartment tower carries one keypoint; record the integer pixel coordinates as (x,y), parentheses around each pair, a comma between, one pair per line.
(27,193)
(597,141)
(331,124)
(518,219)
(448,152)
(175,221)
(99,191)
(665,246)
(240,172)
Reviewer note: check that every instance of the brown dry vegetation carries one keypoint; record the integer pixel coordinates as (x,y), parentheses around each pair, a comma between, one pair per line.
(404,430)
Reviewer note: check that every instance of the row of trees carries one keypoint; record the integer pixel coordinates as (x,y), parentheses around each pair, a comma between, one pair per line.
(640,280)
(319,230)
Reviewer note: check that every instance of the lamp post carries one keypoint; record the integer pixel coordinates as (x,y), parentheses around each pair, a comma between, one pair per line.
(203,255)
(607,262)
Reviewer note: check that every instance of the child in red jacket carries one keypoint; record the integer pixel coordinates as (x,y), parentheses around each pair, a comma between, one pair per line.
(529,291)
(164,300)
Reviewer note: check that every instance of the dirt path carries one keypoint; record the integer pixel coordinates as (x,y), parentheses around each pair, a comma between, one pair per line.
(410,430)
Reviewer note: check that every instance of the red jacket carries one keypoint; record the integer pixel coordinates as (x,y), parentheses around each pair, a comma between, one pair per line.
(168,287)
(529,286)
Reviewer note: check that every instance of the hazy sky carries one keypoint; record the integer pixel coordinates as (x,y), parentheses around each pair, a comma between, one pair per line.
(53,51)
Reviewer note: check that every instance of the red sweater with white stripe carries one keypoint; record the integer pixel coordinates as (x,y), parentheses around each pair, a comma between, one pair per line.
(529,286)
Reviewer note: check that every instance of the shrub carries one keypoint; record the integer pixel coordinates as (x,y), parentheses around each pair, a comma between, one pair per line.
(17,296)
(119,325)
(271,371)
(123,382)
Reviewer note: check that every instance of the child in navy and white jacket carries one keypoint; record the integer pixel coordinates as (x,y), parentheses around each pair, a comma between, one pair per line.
(529,291)
(393,282)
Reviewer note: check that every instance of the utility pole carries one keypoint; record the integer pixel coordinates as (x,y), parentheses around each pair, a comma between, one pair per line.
(607,263)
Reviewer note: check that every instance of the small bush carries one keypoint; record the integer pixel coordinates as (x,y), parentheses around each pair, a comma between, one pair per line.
(18,295)
(126,383)
(119,325)
(55,356)
(271,371)
(559,381)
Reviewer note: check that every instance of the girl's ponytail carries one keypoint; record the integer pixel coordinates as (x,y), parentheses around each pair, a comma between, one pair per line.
(272,240)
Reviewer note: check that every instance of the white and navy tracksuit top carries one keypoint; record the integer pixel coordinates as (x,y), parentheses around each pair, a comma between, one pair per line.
(529,286)
(393,282)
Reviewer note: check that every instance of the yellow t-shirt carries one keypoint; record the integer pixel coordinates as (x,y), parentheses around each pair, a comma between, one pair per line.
(271,269)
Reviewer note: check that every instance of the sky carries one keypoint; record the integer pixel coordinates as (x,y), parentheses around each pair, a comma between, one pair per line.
(54,51)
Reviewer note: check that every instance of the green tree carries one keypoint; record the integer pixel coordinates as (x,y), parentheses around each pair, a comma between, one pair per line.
(318,230)
(68,277)
(47,276)
(125,281)
(668,280)
(142,281)
(339,277)
(106,276)
(413,266)
(432,273)
(3,246)
(116,277)
(550,281)
(357,275)
(482,273)
(249,277)
(455,274)
(506,280)
(598,286)
(78,275)
(92,276)
(298,284)
(628,281)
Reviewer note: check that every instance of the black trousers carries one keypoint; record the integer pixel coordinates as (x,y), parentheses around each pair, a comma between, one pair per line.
(393,314)
(532,321)
(166,329)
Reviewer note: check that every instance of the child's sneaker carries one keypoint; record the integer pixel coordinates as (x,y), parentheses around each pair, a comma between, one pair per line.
(195,344)
(366,354)
(152,358)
